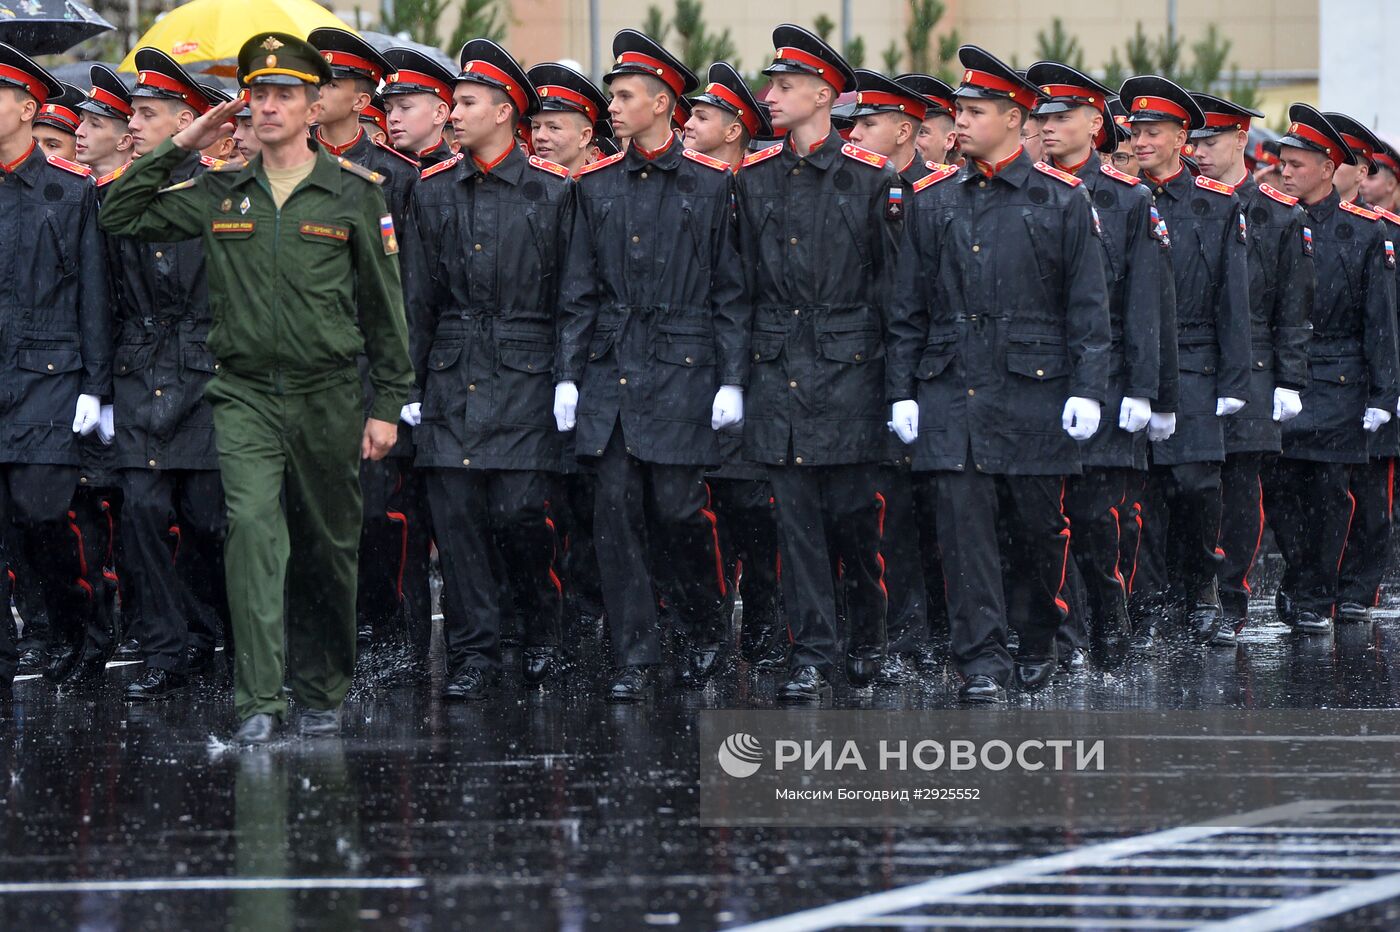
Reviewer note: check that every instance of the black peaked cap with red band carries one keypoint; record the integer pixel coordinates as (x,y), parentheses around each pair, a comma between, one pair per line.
(1065,88)
(1309,129)
(986,77)
(1222,116)
(374,113)
(19,70)
(348,55)
(1150,98)
(160,76)
(1359,138)
(876,93)
(801,51)
(562,89)
(61,110)
(486,63)
(637,53)
(416,73)
(109,96)
(727,90)
(938,95)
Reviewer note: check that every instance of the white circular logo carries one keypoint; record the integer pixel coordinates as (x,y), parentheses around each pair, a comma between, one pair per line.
(740,755)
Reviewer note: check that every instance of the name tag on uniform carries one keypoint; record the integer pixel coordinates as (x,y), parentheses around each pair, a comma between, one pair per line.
(340,234)
(232,227)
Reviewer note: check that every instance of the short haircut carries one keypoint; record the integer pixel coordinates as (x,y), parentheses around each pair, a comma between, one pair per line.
(657,87)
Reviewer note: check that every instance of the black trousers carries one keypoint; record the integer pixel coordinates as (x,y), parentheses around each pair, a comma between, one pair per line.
(828,516)
(630,497)
(748,538)
(393,597)
(1130,531)
(906,621)
(1241,528)
(1310,509)
(1180,530)
(573,507)
(477,512)
(1367,555)
(93,513)
(174,525)
(979,603)
(931,556)
(1094,503)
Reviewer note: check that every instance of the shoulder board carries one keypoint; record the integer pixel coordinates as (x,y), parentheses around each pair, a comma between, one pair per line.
(601,163)
(390,149)
(220,165)
(1277,195)
(371,176)
(706,160)
(1387,215)
(74,167)
(938,174)
(1116,175)
(113,175)
(1047,169)
(1210,184)
(442,166)
(852,151)
(939,166)
(1351,208)
(208,161)
(187,183)
(753,158)
(545,165)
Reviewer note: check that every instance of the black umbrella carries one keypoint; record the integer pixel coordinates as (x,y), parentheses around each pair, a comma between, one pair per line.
(49,27)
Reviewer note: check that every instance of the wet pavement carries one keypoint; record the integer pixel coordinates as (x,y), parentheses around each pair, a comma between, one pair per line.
(556,810)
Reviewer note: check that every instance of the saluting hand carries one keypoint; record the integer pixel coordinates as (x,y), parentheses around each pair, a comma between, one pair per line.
(208,128)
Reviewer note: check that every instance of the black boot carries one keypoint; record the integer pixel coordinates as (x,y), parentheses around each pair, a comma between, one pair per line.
(89,672)
(980,688)
(471,684)
(31,662)
(1305,622)
(1283,604)
(1034,672)
(537,664)
(630,685)
(257,729)
(60,664)
(805,684)
(1230,627)
(862,664)
(156,684)
(1205,613)
(701,662)
(129,649)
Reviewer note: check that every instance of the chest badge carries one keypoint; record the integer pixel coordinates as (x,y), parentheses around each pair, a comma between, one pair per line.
(243,207)
(226,206)
(894,206)
(1307,241)
(1389,254)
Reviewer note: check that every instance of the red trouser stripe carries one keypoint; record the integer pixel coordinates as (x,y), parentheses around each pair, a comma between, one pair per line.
(400,518)
(1258,541)
(82,555)
(1064,560)
(554,553)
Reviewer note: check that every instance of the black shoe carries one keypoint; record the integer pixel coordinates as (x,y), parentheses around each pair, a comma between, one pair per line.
(1228,634)
(701,662)
(1283,604)
(1205,623)
(537,664)
(862,665)
(198,661)
(257,729)
(805,684)
(130,649)
(156,684)
(471,684)
(1353,613)
(775,660)
(1034,672)
(981,688)
(630,685)
(31,662)
(319,723)
(1076,661)
(89,671)
(60,664)
(897,669)
(1305,622)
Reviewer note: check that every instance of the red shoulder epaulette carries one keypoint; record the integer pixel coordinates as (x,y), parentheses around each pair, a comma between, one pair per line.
(1387,215)
(706,160)
(1210,184)
(1045,168)
(1351,208)
(1276,194)
(388,148)
(853,151)
(445,164)
(74,167)
(937,175)
(545,165)
(762,155)
(601,163)
(113,175)
(939,166)
(1116,175)
(208,161)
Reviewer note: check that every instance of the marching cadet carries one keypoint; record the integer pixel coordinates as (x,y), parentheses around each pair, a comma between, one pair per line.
(937,140)
(1366,557)
(56,126)
(56,345)
(1209,233)
(1281,284)
(417,105)
(482,271)
(570,105)
(286,396)
(103,139)
(1075,122)
(651,363)
(1353,381)
(724,119)
(165,452)
(394,601)
(1379,189)
(816,415)
(888,118)
(999,363)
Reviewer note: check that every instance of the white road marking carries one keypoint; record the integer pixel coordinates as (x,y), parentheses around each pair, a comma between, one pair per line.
(215,883)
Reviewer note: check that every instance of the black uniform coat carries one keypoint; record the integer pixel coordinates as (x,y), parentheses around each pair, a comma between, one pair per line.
(1000,315)
(1351,350)
(55,323)
(818,242)
(481,257)
(1133,270)
(1210,267)
(161,364)
(653,312)
(1386,441)
(1281,283)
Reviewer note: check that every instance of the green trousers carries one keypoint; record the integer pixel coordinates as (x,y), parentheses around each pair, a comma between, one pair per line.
(290,469)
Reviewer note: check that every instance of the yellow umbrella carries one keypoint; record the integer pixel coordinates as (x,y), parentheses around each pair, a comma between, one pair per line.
(205,35)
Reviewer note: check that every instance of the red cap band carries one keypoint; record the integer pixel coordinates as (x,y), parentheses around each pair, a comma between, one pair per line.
(991,82)
(435,87)
(589,108)
(59,114)
(1383,159)
(1161,105)
(823,68)
(36,88)
(508,84)
(1085,94)
(915,108)
(743,112)
(1214,119)
(346,60)
(192,97)
(1359,146)
(107,98)
(1318,138)
(670,76)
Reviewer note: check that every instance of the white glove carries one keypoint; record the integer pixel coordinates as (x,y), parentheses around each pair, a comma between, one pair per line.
(106,426)
(565,405)
(1080,418)
(904,420)
(728,409)
(1287,404)
(412,414)
(87,414)
(1161,426)
(1224,407)
(1134,414)
(1375,419)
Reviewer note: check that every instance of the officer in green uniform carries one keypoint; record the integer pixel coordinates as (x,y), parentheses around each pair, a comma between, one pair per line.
(301,258)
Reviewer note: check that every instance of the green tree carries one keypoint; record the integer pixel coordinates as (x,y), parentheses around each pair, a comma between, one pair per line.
(1205,73)
(419,19)
(696,44)
(824,26)
(478,19)
(1058,45)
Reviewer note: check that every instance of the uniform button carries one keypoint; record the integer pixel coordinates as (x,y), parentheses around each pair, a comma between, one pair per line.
(756,357)
(159,254)
(466,462)
(82,480)
(792,384)
(797,171)
(1040,372)
(216,367)
(477,247)
(909,459)
(781,460)
(793,241)
(971,392)
(688,361)
(49,367)
(636,239)
(600,453)
(471,387)
(981,184)
(622,381)
(1159,190)
(976,247)
(644,174)
(857,357)
(1341,378)
(158,393)
(150,462)
(979,467)
(798,461)
(797,312)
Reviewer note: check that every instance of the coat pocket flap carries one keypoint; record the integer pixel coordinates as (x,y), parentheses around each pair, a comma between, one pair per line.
(49,361)
(443,355)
